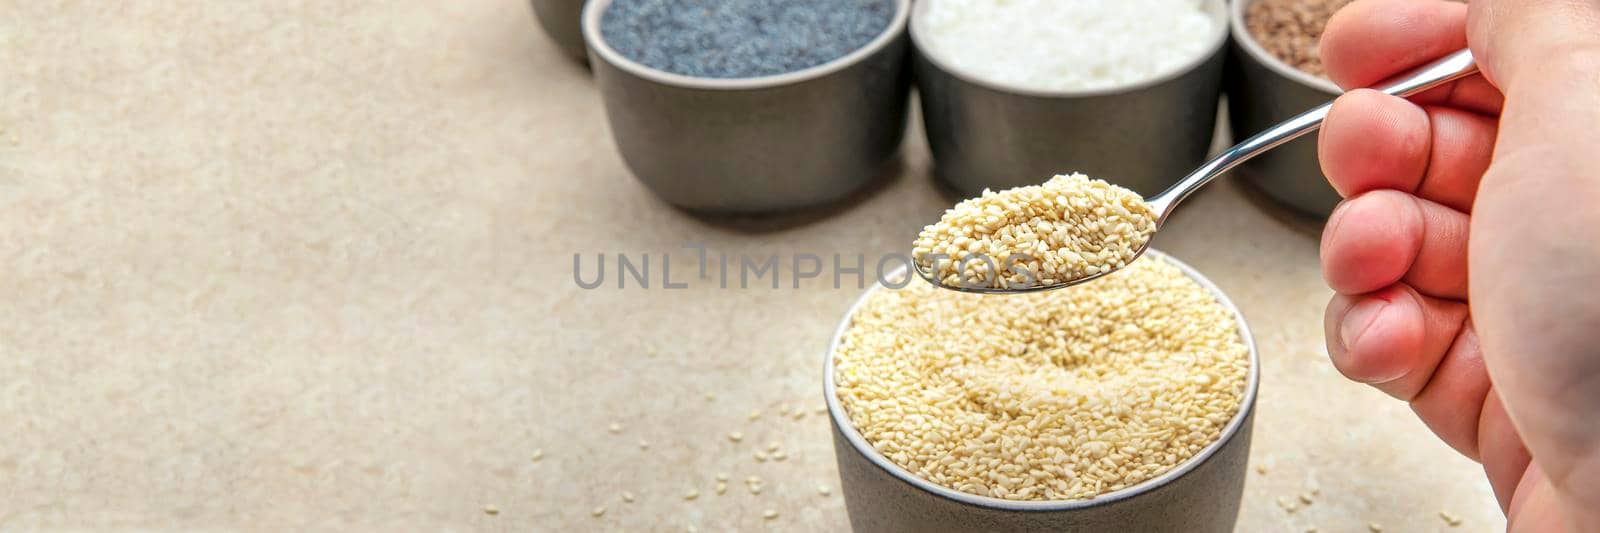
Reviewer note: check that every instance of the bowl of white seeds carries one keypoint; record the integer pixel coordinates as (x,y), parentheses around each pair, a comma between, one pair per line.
(1014,90)
(1123,404)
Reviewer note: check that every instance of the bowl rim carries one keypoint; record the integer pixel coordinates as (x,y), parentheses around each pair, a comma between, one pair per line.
(593,10)
(845,427)
(1219,39)
(1247,41)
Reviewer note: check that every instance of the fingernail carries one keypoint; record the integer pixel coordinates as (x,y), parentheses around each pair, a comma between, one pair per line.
(1358,320)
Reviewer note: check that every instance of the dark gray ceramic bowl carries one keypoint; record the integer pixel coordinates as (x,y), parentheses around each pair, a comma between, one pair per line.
(1263,91)
(1144,136)
(757,145)
(563,22)
(1201,494)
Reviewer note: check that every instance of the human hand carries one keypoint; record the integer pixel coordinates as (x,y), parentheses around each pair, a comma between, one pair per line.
(1488,186)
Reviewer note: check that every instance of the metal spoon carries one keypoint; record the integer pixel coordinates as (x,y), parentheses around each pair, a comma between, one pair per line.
(1446,69)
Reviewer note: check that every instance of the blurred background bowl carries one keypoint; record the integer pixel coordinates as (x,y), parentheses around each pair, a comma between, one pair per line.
(1263,91)
(563,22)
(757,145)
(1201,494)
(1144,136)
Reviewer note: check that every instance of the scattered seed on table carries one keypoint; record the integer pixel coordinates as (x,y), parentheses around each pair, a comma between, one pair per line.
(770,514)
(822,410)
(598,511)
(824,490)
(783,409)
(722,476)
(779,455)
(1450,519)
(722,488)
(1261,469)
(692,494)
(615,428)
(773,446)
(711,397)
(735,436)
(644,445)
(1374,527)
(1305,498)
(754,414)
(799,414)
(627,496)
(537,455)
(491,510)
(761,457)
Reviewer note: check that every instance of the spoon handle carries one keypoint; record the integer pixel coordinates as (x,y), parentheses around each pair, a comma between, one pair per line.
(1449,68)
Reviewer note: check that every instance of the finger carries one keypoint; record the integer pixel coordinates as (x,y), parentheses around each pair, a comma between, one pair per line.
(1392,339)
(1382,237)
(1375,141)
(1462,148)
(1368,42)
(1452,401)
(1371,141)
(1504,457)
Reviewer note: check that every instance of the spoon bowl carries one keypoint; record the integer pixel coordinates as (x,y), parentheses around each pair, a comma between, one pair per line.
(1449,68)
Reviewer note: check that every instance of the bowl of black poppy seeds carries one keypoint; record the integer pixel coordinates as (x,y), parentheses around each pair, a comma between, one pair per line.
(752,106)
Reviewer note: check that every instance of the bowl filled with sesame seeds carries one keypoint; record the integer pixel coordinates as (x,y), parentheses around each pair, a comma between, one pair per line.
(1123,404)
(1275,73)
(752,106)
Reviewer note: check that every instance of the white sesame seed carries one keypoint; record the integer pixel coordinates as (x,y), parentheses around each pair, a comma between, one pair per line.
(711,397)
(770,514)
(773,446)
(1449,519)
(722,488)
(644,445)
(691,494)
(824,490)
(537,455)
(614,427)
(1305,498)
(1374,527)
(779,455)
(1069,228)
(491,510)
(761,457)
(735,436)
(721,476)
(598,511)
(754,414)
(627,496)
(996,419)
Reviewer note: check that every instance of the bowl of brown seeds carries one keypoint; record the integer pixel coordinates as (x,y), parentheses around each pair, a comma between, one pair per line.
(1275,73)
(1123,404)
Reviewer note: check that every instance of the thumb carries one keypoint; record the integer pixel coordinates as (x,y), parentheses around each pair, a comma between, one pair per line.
(1512,40)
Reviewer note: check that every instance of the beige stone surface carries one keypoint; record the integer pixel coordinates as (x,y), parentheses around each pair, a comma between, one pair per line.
(308,265)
